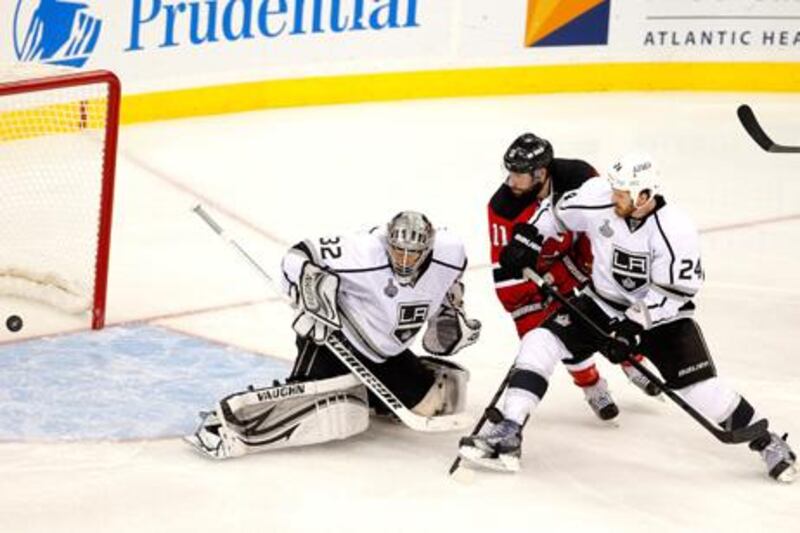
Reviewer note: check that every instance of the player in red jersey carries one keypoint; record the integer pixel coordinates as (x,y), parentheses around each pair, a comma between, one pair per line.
(535,181)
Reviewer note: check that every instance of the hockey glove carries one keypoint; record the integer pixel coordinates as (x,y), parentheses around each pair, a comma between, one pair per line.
(523,250)
(625,337)
(450,330)
(316,296)
(552,250)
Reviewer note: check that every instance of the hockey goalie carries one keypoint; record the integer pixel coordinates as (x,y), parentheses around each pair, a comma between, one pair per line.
(366,296)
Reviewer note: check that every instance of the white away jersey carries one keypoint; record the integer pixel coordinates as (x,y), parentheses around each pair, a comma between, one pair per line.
(656,261)
(379,316)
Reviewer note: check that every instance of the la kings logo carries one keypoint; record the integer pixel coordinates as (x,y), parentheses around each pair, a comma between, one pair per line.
(630,270)
(410,318)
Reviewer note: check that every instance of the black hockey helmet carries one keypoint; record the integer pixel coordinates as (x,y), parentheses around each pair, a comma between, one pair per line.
(528,153)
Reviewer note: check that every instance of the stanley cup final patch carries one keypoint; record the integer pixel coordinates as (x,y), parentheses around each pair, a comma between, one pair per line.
(630,270)
(390,290)
(605,229)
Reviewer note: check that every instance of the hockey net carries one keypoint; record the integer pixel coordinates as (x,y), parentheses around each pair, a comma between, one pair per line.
(58,138)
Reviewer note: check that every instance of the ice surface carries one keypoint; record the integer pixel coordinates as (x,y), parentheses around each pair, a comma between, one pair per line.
(277,176)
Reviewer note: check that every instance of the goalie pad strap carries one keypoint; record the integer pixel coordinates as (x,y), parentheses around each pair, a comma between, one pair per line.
(239,400)
(448,393)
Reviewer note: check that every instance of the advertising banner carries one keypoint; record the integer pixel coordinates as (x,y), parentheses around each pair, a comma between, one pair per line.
(158,46)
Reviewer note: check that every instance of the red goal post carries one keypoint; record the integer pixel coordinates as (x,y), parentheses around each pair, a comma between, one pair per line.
(58,146)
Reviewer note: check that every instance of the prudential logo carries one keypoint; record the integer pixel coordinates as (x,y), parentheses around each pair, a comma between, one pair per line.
(55,32)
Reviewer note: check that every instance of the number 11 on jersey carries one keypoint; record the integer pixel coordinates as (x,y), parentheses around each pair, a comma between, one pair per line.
(499,235)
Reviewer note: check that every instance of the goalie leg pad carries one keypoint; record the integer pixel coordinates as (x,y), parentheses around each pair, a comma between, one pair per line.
(294,414)
(448,394)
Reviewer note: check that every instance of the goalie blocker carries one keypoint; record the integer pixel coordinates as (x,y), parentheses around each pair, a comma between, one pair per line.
(310,412)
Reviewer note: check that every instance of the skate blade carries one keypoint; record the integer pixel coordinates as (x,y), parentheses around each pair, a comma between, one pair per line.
(612,422)
(788,475)
(194,442)
(502,463)
(463,475)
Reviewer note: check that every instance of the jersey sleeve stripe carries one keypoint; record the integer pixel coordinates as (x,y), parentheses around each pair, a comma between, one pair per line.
(510,283)
(603,206)
(538,215)
(526,310)
(573,269)
(675,292)
(448,265)
(662,303)
(360,270)
(669,247)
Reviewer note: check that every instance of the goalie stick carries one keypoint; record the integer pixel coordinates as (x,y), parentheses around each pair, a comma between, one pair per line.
(339,346)
(754,129)
(735,436)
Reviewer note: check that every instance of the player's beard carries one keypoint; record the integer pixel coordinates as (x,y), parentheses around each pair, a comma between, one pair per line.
(537,188)
(624,211)
(532,192)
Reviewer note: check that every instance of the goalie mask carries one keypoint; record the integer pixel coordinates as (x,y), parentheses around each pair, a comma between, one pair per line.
(410,238)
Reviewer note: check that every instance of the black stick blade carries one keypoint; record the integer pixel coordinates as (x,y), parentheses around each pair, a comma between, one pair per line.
(753,128)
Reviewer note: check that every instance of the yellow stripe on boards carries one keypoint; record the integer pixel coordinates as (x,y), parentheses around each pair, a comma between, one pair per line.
(745,77)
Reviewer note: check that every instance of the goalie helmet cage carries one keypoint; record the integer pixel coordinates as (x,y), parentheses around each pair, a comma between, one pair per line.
(58,145)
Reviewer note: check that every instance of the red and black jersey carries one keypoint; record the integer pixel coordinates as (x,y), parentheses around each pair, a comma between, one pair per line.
(568,260)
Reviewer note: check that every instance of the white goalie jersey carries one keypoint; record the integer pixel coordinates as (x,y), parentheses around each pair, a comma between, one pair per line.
(379,316)
(652,262)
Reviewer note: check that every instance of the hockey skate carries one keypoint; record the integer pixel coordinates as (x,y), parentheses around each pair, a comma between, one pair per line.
(779,457)
(641,382)
(206,439)
(498,447)
(599,399)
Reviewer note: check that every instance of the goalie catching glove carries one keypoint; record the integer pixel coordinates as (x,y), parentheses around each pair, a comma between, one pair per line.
(316,296)
(450,330)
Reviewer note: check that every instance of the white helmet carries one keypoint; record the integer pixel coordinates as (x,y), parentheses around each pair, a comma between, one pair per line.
(410,237)
(634,173)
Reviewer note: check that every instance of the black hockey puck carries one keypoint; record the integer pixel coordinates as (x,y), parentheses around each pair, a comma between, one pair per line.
(14,323)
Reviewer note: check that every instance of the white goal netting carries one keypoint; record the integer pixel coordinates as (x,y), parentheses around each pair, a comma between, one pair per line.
(53,141)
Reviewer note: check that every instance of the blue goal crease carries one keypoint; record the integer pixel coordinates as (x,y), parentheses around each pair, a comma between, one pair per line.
(122,382)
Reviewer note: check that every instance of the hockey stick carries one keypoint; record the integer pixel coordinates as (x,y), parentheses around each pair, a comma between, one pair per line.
(754,129)
(734,436)
(490,413)
(338,345)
